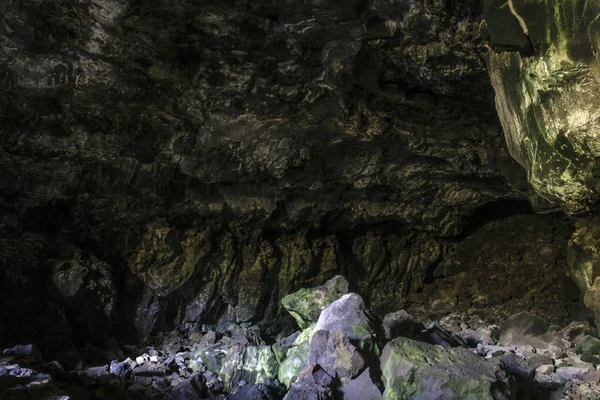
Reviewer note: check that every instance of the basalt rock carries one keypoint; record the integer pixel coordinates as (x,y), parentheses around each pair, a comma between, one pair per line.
(306,305)
(546,79)
(209,158)
(412,369)
(584,264)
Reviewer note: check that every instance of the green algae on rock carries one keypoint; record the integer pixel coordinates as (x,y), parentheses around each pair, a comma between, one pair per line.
(306,305)
(237,362)
(548,101)
(414,369)
(296,359)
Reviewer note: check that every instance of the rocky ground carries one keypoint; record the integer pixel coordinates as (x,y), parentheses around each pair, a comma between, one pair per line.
(342,351)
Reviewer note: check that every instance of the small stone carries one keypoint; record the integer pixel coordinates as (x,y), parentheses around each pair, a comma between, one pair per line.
(141,360)
(242,383)
(588,345)
(97,372)
(210,337)
(545,370)
(142,380)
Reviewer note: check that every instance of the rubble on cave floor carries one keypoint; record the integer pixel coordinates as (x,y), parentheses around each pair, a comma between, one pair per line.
(344,352)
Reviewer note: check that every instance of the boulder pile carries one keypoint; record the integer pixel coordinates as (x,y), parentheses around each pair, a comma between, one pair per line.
(342,352)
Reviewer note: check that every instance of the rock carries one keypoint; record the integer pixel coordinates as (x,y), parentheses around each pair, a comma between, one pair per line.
(547,108)
(252,392)
(192,388)
(582,258)
(297,358)
(120,369)
(399,323)
(361,388)
(348,315)
(236,362)
(414,369)
(24,350)
(536,361)
(575,330)
(281,347)
(143,359)
(131,178)
(333,352)
(309,385)
(545,369)
(97,372)
(166,259)
(306,305)
(523,329)
(213,382)
(85,285)
(566,374)
(588,345)
(149,369)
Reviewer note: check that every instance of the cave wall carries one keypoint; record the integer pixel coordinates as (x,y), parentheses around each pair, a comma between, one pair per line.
(175,163)
(546,77)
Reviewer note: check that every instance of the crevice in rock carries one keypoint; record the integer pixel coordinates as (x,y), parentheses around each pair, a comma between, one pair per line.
(494,211)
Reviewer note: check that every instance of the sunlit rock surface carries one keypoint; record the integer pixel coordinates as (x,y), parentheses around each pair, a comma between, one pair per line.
(544,66)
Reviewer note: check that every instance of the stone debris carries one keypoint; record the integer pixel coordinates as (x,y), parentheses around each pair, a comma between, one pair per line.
(342,355)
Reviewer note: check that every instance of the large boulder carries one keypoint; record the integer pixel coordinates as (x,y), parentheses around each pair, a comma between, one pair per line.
(522,329)
(235,362)
(417,370)
(544,69)
(306,305)
(333,352)
(348,315)
(297,358)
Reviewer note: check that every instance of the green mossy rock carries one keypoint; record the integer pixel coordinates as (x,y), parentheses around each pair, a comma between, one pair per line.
(414,369)
(306,305)
(234,363)
(548,100)
(296,359)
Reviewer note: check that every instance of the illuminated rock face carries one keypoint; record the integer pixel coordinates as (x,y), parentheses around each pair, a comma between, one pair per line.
(545,70)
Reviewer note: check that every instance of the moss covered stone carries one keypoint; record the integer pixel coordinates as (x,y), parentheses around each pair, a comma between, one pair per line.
(296,359)
(306,305)
(414,369)
(234,363)
(548,101)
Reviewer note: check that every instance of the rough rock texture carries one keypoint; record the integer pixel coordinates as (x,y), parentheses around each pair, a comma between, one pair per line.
(420,370)
(504,267)
(584,262)
(546,75)
(306,305)
(209,157)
